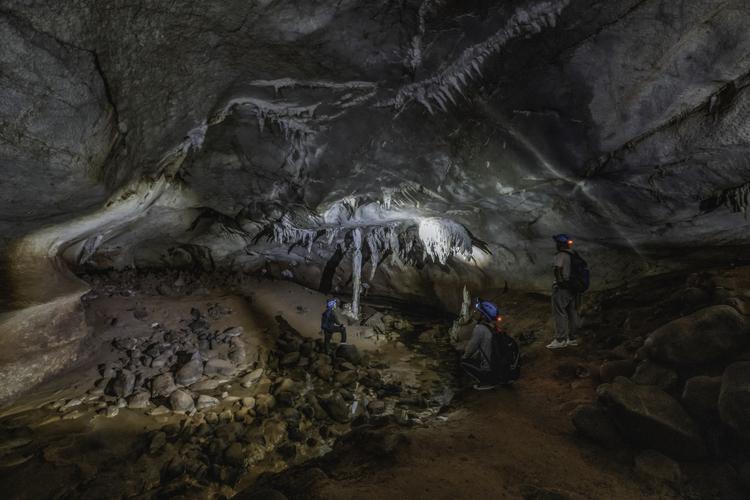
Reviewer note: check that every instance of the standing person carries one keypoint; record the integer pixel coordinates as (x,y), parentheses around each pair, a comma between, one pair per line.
(332,322)
(571,279)
(491,357)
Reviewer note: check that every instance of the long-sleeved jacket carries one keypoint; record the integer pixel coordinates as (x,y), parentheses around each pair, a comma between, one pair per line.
(480,346)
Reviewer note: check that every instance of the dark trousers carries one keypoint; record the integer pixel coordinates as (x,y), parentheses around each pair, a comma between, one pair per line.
(327,334)
(483,377)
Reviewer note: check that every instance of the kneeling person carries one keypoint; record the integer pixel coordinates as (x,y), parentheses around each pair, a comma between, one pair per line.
(491,357)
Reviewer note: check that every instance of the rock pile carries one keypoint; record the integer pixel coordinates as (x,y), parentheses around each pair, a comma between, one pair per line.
(685,392)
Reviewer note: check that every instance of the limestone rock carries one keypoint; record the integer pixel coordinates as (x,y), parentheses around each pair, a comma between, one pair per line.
(139,400)
(617,368)
(708,335)
(592,422)
(205,401)
(220,367)
(700,396)
(649,373)
(734,398)
(349,352)
(190,372)
(181,401)
(651,418)
(162,385)
(653,464)
(123,384)
(336,408)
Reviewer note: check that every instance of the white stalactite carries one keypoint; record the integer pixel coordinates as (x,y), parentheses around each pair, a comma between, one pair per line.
(435,92)
(443,238)
(356,270)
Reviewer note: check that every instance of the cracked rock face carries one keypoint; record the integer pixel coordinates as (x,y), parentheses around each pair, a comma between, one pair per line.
(324,140)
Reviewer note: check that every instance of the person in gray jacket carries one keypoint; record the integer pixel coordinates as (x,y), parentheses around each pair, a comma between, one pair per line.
(477,357)
(564,298)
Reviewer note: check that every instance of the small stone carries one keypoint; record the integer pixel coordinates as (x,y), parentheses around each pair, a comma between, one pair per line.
(111,411)
(290,359)
(274,431)
(248,402)
(235,455)
(346,378)
(181,401)
(205,401)
(162,385)
(349,352)
(376,407)
(123,384)
(73,415)
(219,366)
(336,408)
(190,372)
(264,403)
(121,403)
(139,400)
(251,378)
(159,410)
(70,404)
(234,331)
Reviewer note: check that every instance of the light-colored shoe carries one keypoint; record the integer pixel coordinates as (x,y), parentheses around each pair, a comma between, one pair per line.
(571,342)
(557,344)
(483,387)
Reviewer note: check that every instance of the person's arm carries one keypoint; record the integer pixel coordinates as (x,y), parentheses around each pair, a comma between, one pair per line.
(473,346)
(337,318)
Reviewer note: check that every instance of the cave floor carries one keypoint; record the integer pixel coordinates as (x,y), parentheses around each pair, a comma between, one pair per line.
(515,442)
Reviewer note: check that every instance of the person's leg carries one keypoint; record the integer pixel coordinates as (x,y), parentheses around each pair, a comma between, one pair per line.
(560,315)
(342,330)
(573,320)
(327,341)
(482,377)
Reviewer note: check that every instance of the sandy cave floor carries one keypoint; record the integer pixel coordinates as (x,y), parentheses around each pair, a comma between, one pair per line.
(507,443)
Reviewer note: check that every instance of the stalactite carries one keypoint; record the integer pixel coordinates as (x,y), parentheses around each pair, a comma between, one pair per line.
(438,90)
(356,270)
(443,238)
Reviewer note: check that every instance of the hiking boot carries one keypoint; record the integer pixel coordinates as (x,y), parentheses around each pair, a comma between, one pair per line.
(571,342)
(479,387)
(557,344)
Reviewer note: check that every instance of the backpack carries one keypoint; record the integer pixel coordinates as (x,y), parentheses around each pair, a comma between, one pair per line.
(327,320)
(579,274)
(506,358)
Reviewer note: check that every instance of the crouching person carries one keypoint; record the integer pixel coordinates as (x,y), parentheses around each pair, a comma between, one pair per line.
(491,357)
(330,323)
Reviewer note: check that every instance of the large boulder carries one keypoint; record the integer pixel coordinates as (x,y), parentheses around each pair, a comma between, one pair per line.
(700,396)
(734,398)
(592,422)
(705,336)
(649,373)
(651,418)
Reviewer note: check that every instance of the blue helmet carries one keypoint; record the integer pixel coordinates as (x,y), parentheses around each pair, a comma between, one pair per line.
(488,309)
(562,239)
(331,303)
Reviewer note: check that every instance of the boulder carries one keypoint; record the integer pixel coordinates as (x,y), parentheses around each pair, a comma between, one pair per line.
(205,401)
(349,352)
(181,401)
(700,396)
(274,432)
(219,366)
(346,378)
(734,398)
(162,385)
(190,372)
(610,370)
(708,335)
(123,384)
(235,455)
(649,373)
(206,385)
(651,418)
(592,422)
(139,400)
(336,408)
(653,464)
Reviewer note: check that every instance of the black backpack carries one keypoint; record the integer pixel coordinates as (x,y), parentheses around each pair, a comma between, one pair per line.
(327,320)
(506,358)
(579,274)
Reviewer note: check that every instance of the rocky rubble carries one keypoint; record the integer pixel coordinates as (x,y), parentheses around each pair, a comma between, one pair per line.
(681,390)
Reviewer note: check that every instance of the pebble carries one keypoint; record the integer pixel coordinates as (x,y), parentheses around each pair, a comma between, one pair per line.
(248,402)
(70,404)
(181,401)
(73,415)
(251,378)
(159,410)
(206,385)
(205,401)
